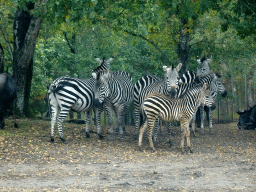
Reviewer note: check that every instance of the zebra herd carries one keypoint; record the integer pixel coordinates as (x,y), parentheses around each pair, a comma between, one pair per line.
(173,98)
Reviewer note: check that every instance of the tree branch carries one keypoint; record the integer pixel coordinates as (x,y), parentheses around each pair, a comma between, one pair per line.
(164,58)
(70,46)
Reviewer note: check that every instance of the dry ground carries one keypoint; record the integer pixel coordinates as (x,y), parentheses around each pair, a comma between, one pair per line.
(224,161)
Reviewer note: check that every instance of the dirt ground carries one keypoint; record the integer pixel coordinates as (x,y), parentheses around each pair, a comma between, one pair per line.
(224,161)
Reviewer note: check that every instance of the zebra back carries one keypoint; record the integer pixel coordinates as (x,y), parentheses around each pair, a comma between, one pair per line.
(184,87)
(159,105)
(116,86)
(142,83)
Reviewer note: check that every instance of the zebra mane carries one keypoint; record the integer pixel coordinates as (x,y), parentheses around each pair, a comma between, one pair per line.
(188,77)
(203,59)
(104,65)
(195,89)
(198,79)
(218,75)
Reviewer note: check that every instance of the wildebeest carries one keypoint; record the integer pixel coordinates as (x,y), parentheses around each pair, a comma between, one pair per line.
(247,118)
(8,97)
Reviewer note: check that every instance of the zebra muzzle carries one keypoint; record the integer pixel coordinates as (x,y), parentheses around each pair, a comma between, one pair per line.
(97,103)
(173,92)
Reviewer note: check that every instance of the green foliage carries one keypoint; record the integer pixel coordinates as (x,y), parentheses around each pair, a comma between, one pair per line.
(140,35)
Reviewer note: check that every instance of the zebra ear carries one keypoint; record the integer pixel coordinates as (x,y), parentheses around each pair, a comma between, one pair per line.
(98,60)
(198,60)
(94,75)
(110,59)
(165,68)
(179,66)
(209,60)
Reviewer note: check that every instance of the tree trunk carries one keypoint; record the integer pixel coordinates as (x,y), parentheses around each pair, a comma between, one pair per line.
(26,29)
(28,89)
(249,93)
(183,49)
(1,59)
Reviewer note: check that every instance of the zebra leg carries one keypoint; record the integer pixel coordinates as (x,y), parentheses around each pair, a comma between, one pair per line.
(54,110)
(193,122)
(183,135)
(121,118)
(63,114)
(187,131)
(201,108)
(142,130)
(87,120)
(98,111)
(210,119)
(109,110)
(155,130)
(151,124)
(169,125)
(136,121)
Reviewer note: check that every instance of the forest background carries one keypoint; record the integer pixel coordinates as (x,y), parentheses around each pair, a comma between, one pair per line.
(41,40)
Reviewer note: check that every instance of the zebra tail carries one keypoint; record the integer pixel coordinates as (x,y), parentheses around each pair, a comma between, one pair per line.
(142,116)
(55,88)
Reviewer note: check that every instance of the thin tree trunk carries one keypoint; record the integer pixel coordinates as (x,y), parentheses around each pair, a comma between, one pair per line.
(249,93)
(183,49)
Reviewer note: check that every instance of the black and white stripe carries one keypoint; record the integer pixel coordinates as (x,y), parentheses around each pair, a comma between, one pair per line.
(115,90)
(69,93)
(216,87)
(150,84)
(182,109)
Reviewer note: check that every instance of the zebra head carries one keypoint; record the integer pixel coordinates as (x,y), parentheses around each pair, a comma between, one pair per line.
(217,87)
(207,99)
(171,79)
(203,67)
(103,65)
(101,89)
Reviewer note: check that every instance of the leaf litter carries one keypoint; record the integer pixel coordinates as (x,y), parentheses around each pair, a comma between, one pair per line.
(224,160)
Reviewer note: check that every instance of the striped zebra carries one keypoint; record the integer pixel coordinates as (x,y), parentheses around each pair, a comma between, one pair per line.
(150,84)
(182,109)
(115,90)
(216,87)
(191,80)
(69,93)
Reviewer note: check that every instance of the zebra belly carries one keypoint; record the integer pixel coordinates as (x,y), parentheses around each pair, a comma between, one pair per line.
(169,117)
(80,106)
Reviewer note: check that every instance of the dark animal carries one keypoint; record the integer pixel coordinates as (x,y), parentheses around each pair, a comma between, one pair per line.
(8,97)
(247,119)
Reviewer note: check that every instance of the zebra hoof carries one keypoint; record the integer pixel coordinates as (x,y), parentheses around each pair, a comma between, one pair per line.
(63,139)
(88,135)
(52,139)
(100,136)
(139,148)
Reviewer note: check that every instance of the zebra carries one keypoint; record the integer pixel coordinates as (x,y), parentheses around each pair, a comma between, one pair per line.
(150,84)
(70,93)
(115,91)
(216,87)
(182,109)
